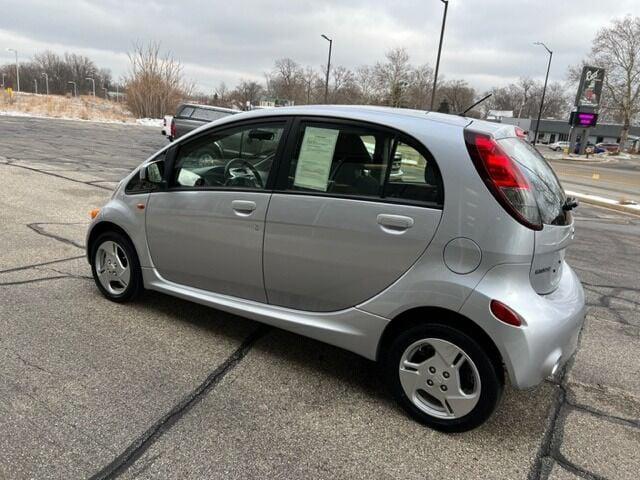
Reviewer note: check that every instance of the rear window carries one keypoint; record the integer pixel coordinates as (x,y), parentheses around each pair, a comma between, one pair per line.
(548,192)
(185,112)
(208,115)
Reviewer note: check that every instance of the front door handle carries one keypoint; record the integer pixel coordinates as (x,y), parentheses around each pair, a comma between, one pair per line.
(394,223)
(243,207)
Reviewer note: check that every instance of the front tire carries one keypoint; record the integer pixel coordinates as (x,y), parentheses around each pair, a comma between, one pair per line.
(442,377)
(115,267)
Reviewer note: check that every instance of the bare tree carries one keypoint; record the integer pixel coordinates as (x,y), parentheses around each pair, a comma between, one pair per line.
(248,91)
(365,81)
(458,93)
(287,81)
(155,84)
(392,77)
(616,48)
(311,80)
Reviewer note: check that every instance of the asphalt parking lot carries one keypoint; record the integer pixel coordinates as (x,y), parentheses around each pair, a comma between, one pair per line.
(163,388)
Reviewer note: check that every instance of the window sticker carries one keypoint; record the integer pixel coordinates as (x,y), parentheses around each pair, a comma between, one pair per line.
(316,155)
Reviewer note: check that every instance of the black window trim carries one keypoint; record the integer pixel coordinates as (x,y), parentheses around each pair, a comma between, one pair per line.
(284,120)
(156,158)
(281,185)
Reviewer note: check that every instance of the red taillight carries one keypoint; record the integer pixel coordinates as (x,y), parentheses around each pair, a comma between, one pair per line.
(173,128)
(505,314)
(504,179)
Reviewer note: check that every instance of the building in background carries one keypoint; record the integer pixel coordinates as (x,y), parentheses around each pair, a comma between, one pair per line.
(558,130)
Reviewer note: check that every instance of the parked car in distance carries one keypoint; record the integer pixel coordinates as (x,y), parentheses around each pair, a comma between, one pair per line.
(593,148)
(448,274)
(556,146)
(190,116)
(609,147)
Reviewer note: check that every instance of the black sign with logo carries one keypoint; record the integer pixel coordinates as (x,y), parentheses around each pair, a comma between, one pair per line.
(590,88)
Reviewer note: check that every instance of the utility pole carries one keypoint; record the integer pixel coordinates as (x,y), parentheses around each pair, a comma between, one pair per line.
(326,83)
(46,81)
(17,68)
(544,90)
(75,89)
(435,76)
(93,82)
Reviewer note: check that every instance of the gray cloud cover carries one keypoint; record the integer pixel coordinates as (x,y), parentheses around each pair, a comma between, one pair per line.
(488,42)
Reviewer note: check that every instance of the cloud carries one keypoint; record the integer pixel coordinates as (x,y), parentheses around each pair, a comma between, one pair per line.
(487,42)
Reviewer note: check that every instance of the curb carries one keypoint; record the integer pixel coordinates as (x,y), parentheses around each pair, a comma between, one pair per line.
(605,202)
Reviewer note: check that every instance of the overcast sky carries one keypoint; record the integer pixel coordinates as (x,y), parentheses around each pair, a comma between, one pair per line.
(487,42)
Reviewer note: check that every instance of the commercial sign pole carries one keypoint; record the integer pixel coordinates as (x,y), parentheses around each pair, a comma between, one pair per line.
(587,103)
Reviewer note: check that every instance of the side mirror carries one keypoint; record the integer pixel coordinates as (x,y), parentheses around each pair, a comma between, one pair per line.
(153,174)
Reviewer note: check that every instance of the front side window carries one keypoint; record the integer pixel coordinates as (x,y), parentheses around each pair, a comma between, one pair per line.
(237,158)
(342,160)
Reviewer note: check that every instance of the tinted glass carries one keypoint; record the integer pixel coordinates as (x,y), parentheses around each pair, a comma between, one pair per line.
(238,158)
(208,115)
(342,160)
(414,177)
(549,195)
(185,112)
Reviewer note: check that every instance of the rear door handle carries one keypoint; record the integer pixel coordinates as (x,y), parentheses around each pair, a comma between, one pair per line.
(394,223)
(243,207)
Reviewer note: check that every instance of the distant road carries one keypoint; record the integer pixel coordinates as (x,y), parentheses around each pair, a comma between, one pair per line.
(615,181)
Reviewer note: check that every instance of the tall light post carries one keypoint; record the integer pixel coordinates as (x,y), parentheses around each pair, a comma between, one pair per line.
(75,89)
(17,68)
(326,82)
(544,90)
(93,82)
(435,76)
(46,81)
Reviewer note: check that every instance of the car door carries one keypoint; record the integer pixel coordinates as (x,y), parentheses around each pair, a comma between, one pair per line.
(206,229)
(340,228)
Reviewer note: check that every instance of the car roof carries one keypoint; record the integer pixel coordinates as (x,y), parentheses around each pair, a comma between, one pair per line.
(374,114)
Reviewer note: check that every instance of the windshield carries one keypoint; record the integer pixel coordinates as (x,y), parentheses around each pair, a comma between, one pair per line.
(547,189)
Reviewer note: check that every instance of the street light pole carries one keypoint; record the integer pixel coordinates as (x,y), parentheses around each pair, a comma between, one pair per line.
(75,90)
(326,82)
(544,90)
(17,68)
(46,81)
(93,82)
(435,76)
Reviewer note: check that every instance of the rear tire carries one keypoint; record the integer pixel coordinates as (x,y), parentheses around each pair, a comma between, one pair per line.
(442,377)
(115,267)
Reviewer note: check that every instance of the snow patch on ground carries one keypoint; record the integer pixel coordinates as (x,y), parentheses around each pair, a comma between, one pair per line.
(145,122)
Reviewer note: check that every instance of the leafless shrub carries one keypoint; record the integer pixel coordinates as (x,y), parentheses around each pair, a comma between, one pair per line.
(155,83)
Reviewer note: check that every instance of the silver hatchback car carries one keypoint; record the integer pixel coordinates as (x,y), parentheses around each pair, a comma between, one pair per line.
(448,273)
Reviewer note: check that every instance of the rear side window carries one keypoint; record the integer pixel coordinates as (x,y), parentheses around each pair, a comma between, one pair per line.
(362,161)
(414,176)
(548,193)
(342,160)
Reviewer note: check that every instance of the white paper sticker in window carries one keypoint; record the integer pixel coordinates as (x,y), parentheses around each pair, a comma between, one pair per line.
(316,155)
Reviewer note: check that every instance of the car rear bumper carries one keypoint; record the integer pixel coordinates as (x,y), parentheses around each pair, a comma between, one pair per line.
(549,337)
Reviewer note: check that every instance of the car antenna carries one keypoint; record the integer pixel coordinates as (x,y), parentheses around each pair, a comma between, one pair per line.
(475,104)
